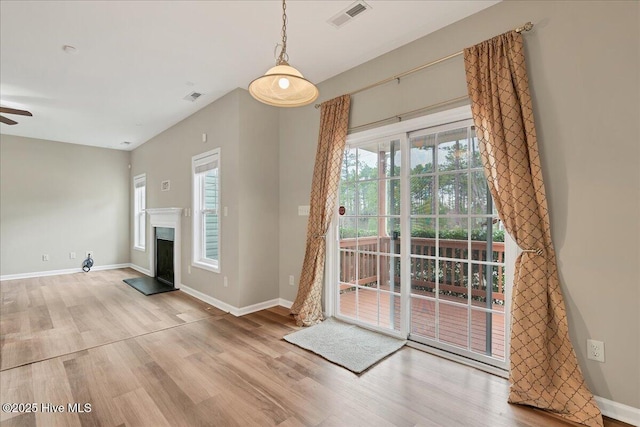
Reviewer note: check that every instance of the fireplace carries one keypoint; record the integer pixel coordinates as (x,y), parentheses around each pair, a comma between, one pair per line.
(164,255)
(164,247)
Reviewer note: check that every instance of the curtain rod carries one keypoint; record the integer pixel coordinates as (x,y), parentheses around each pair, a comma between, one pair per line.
(408,113)
(526,27)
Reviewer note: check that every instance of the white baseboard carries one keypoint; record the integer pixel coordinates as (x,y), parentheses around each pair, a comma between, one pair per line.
(141,269)
(618,411)
(207,298)
(108,267)
(285,303)
(256,307)
(236,311)
(61,272)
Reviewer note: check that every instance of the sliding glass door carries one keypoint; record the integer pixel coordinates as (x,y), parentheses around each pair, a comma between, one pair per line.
(445,286)
(457,247)
(368,231)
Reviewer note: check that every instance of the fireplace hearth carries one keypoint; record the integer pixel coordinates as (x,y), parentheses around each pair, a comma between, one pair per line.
(163,280)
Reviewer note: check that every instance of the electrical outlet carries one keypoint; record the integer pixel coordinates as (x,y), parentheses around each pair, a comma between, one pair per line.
(72,255)
(89,254)
(225,281)
(45,257)
(595,350)
(291,281)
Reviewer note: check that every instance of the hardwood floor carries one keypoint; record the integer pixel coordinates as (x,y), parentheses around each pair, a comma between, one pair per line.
(49,316)
(178,362)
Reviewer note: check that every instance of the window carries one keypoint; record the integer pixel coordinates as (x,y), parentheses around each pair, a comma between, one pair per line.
(139,215)
(206,210)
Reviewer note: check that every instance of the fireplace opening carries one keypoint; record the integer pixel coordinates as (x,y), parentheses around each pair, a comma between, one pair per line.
(165,238)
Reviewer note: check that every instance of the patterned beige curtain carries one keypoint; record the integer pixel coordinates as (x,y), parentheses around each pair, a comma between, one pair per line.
(334,123)
(544,370)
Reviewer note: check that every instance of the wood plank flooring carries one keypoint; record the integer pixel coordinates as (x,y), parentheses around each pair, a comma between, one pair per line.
(189,365)
(50,316)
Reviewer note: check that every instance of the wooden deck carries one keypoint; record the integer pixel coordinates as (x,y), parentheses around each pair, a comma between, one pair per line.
(454,319)
(365,262)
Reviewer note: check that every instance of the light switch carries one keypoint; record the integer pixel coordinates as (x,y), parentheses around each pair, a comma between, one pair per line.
(304,210)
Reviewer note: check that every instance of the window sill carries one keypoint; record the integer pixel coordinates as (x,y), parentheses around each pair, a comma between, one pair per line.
(204,266)
(139,248)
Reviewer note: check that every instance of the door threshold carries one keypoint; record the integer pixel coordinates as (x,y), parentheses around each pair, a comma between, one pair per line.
(459,359)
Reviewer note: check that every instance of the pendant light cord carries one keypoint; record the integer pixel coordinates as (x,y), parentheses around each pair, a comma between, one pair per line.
(283,58)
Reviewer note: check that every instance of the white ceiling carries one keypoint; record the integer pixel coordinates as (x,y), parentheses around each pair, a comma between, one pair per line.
(136,60)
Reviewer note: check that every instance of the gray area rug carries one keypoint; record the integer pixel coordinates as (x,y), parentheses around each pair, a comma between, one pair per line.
(350,346)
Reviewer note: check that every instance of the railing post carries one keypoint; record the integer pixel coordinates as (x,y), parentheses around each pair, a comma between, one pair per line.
(392,278)
(489,276)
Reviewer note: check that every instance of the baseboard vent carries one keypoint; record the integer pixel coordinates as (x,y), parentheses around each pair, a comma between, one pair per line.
(348,14)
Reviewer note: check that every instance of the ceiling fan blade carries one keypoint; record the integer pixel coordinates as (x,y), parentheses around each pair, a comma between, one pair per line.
(7,121)
(14,111)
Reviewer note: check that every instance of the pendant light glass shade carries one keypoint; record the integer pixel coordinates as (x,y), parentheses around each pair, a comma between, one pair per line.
(283,86)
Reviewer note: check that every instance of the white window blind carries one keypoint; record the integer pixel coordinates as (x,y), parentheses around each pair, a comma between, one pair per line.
(205,164)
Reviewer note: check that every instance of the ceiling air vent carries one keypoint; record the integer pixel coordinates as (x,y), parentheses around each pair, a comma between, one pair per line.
(192,96)
(348,14)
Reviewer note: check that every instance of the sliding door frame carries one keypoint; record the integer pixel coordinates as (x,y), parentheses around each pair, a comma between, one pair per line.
(453,117)
(333,264)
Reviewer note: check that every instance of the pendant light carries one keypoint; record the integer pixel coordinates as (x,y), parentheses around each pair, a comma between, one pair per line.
(283,85)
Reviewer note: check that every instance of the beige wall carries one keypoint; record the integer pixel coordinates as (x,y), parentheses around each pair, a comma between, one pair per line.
(247,134)
(57,198)
(583,68)
(167,156)
(258,201)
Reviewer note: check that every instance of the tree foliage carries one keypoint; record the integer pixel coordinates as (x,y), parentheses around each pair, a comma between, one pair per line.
(457,191)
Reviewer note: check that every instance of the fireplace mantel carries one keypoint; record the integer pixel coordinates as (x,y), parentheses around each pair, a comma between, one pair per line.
(169,218)
(164,216)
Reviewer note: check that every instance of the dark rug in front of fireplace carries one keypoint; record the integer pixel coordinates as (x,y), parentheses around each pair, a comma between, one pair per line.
(149,285)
